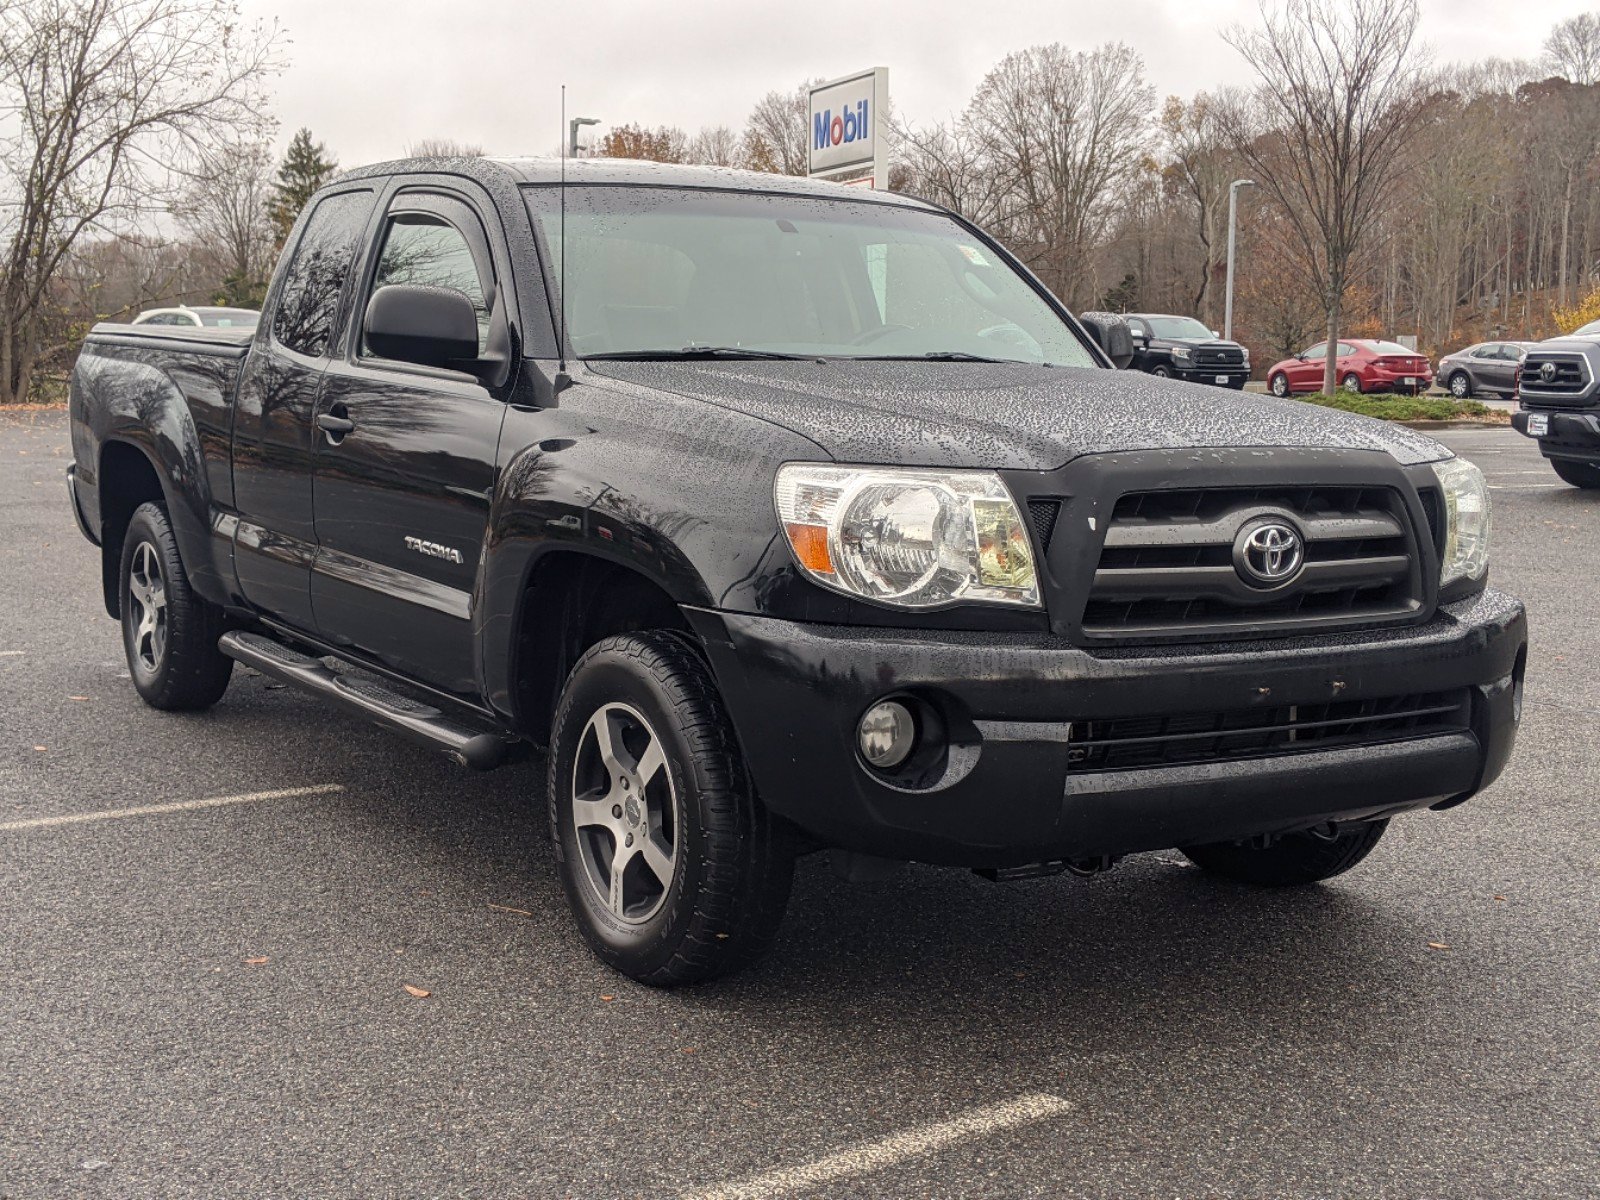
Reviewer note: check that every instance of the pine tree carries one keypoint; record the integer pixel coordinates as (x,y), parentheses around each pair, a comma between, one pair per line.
(305,168)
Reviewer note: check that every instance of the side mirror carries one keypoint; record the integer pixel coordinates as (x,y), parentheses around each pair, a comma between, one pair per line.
(1111,333)
(1216,333)
(418,323)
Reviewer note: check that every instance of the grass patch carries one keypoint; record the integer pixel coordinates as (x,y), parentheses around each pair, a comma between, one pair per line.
(1411,408)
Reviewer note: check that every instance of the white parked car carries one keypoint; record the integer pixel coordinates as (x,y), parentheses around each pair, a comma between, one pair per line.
(197,318)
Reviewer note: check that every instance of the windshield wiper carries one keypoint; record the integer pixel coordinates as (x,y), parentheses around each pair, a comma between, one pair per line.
(940,356)
(689,352)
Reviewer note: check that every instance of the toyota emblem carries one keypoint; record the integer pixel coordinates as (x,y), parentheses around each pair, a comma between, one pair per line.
(1547,372)
(1268,553)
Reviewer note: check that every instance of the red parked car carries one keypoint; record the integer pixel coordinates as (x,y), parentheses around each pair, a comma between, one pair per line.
(1364,365)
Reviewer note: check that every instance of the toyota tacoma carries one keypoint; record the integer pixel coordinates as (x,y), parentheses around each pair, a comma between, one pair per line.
(1559,387)
(786,518)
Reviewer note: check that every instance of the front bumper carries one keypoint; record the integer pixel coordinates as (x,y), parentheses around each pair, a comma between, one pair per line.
(1574,435)
(1229,377)
(1008,796)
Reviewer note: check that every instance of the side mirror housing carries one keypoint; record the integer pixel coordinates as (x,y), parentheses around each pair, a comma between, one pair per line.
(1111,333)
(418,323)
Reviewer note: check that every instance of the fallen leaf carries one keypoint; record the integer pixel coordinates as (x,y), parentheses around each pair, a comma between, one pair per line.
(1499,897)
(1439,945)
(521,912)
(689,1050)
(418,992)
(77,697)
(608,999)
(41,747)
(256,961)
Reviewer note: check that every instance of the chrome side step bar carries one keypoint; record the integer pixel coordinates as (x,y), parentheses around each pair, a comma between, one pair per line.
(480,749)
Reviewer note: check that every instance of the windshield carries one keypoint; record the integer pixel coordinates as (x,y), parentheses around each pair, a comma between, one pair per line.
(1178,327)
(662,271)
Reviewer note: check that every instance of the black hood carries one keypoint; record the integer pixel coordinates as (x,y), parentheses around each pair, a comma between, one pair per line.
(1210,343)
(1021,417)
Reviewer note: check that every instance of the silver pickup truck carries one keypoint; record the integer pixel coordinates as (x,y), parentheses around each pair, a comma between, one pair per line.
(1560,393)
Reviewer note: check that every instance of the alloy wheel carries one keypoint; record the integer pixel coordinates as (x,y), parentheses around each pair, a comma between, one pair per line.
(625,813)
(147,593)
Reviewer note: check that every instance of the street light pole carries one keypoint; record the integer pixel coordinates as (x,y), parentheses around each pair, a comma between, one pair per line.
(1233,201)
(572,132)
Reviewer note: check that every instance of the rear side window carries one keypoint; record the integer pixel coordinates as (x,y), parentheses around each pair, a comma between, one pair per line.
(308,302)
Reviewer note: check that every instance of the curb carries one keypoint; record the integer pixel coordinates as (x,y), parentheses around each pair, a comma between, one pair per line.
(1456,425)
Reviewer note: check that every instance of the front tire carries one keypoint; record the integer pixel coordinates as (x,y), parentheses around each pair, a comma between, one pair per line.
(1578,474)
(1293,860)
(1352,383)
(1279,385)
(168,632)
(1161,372)
(1461,385)
(672,866)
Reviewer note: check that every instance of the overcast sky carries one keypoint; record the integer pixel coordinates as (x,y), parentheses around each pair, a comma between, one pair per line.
(370,77)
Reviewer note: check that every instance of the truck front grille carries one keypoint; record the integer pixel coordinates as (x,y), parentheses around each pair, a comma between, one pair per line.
(1570,377)
(1128,743)
(1218,357)
(1168,566)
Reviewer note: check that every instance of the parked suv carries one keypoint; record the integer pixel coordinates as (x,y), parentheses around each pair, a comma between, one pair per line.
(1560,394)
(787,518)
(1182,348)
(1487,368)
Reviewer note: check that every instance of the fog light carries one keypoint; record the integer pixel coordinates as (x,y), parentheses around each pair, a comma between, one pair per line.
(887,734)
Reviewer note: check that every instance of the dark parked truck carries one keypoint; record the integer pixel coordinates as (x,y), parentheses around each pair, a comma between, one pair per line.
(816,525)
(1559,386)
(1182,348)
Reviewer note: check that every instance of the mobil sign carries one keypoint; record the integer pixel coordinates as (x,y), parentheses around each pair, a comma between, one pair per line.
(844,125)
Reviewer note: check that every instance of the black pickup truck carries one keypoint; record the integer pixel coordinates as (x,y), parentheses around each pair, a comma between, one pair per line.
(1559,386)
(816,524)
(1182,348)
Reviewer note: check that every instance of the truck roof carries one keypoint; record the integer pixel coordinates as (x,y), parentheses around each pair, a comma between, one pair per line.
(587,171)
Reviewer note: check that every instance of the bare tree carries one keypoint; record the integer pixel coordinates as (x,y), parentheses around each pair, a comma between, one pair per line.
(715,146)
(1201,165)
(1068,131)
(776,137)
(443,148)
(1329,130)
(98,100)
(1572,50)
(224,209)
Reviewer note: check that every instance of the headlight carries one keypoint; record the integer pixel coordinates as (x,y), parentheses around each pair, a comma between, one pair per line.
(911,538)
(1466,507)
(1180,352)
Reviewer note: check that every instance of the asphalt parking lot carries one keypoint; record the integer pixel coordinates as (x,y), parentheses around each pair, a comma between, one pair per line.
(212,1000)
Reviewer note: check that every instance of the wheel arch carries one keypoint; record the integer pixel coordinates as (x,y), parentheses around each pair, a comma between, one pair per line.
(572,598)
(127,476)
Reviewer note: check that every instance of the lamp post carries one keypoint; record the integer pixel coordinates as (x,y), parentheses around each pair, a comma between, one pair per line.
(572,132)
(1233,201)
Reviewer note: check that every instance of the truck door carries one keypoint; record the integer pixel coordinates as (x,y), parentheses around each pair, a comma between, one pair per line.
(272,430)
(402,497)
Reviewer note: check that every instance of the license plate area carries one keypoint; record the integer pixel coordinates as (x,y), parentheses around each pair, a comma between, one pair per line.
(1222,379)
(1538,424)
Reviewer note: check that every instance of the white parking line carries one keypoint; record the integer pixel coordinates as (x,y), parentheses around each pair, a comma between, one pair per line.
(875,1156)
(144,810)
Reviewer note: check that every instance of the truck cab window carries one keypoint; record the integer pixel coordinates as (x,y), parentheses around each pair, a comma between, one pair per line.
(308,301)
(423,248)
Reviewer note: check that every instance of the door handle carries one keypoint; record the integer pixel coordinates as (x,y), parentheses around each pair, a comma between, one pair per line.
(335,425)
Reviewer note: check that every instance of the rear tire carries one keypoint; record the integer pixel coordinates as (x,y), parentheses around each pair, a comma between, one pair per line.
(1293,860)
(646,780)
(1461,385)
(1279,385)
(1351,383)
(168,632)
(1578,474)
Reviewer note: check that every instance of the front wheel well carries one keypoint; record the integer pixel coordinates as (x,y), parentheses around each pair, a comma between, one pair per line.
(573,600)
(126,479)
